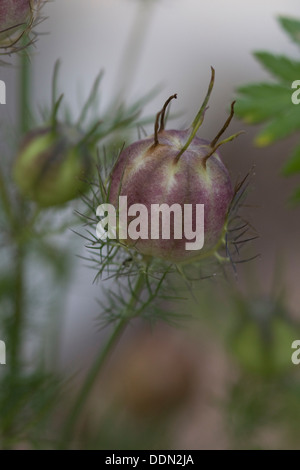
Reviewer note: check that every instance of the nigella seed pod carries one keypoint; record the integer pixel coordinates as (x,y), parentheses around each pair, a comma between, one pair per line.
(176,167)
(53,165)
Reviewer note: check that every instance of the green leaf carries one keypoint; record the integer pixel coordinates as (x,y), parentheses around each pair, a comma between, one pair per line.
(295,198)
(292,27)
(262,101)
(280,66)
(271,103)
(293,164)
(282,126)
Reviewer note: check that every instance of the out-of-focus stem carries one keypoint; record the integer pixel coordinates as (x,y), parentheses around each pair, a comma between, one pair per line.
(16,338)
(24,126)
(24,93)
(99,362)
(133,48)
(4,196)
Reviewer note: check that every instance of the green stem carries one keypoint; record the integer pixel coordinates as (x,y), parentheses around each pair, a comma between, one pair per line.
(5,199)
(25,95)
(133,50)
(15,343)
(18,319)
(16,335)
(99,362)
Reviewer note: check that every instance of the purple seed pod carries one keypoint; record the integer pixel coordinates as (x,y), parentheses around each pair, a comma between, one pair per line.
(176,167)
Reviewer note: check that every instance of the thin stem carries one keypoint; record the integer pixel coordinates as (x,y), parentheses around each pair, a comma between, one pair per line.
(133,50)
(24,87)
(90,379)
(16,339)
(24,124)
(5,199)
(99,362)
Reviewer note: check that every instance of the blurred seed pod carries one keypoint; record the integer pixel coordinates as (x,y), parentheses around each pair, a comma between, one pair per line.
(53,165)
(157,374)
(262,343)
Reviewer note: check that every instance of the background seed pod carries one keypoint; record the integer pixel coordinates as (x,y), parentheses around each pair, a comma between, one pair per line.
(52,166)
